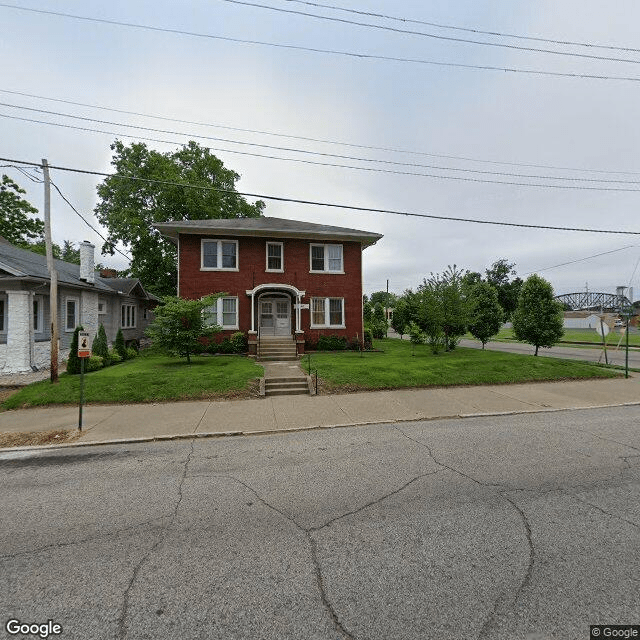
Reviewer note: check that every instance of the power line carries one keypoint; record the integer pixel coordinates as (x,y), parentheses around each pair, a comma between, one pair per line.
(572,43)
(86,221)
(597,255)
(320,153)
(351,54)
(327,204)
(336,165)
(320,140)
(435,36)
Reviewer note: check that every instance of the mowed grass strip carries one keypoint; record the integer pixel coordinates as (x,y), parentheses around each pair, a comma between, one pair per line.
(579,335)
(395,367)
(148,378)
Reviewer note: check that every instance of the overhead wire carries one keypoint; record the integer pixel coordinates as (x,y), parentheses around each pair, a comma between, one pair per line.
(321,153)
(439,25)
(320,140)
(351,54)
(596,255)
(332,205)
(55,186)
(337,165)
(431,35)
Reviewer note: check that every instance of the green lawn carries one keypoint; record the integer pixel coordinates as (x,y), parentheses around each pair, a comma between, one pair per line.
(578,335)
(395,367)
(148,378)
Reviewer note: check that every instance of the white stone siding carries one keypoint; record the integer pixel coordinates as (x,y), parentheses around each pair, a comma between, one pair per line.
(19,347)
(89,312)
(42,355)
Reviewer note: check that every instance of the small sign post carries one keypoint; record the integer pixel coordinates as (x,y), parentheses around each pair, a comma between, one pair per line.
(84,352)
(603,330)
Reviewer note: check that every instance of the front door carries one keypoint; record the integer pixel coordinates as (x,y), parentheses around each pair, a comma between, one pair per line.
(275,317)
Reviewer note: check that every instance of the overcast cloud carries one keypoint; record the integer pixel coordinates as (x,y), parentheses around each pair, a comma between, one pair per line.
(487,115)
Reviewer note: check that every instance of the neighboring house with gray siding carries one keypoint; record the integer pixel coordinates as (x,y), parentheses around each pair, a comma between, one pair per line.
(84,298)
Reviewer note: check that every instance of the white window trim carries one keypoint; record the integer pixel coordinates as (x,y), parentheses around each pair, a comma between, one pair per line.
(5,314)
(326,257)
(227,327)
(39,328)
(281,245)
(77,314)
(135,314)
(327,315)
(104,306)
(219,241)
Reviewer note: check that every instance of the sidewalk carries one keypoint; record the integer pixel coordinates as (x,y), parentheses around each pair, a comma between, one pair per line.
(267,415)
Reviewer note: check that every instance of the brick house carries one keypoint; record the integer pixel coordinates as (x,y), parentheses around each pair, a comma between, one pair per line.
(283,278)
(85,297)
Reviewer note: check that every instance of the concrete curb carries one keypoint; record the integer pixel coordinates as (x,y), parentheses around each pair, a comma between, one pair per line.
(269,432)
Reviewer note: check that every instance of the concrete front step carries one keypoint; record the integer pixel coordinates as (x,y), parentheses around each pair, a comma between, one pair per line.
(278,380)
(286,392)
(291,358)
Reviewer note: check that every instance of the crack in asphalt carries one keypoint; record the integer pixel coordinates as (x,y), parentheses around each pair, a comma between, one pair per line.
(309,531)
(491,619)
(122,620)
(607,513)
(62,545)
(595,435)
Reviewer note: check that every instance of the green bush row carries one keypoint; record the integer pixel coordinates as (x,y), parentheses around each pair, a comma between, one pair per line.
(236,344)
(101,356)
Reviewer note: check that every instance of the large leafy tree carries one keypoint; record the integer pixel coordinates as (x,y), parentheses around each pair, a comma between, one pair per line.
(502,276)
(538,318)
(485,312)
(128,208)
(18,224)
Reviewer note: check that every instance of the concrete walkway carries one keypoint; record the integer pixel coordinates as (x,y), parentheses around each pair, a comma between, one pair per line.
(267,415)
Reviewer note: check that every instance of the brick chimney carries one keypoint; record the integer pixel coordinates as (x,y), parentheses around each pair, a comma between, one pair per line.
(87,262)
(108,273)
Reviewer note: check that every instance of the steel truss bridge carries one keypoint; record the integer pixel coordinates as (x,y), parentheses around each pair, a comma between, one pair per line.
(593,301)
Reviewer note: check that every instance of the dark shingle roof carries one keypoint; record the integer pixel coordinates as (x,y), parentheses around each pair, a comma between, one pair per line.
(23,264)
(265,226)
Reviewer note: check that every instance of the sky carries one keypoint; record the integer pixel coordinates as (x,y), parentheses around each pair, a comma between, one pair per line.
(469,130)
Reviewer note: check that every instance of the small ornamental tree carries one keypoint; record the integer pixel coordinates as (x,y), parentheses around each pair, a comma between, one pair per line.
(538,318)
(416,335)
(73,363)
(178,323)
(485,313)
(119,345)
(100,346)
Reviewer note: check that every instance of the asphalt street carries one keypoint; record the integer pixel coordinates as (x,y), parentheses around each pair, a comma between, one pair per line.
(508,527)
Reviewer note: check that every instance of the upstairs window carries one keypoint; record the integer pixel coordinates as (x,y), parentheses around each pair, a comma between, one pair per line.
(275,259)
(326,258)
(219,255)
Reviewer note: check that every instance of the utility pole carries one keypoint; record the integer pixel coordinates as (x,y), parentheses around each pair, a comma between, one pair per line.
(386,307)
(53,274)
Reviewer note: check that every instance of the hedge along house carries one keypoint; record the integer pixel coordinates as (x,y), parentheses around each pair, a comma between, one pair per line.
(84,298)
(284,279)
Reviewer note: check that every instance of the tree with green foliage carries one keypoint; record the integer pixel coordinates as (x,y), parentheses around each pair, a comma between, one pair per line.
(119,346)
(367,311)
(129,208)
(538,318)
(500,275)
(70,253)
(385,299)
(73,363)
(100,347)
(178,323)
(485,312)
(401,316)
(416,336)
(18,224)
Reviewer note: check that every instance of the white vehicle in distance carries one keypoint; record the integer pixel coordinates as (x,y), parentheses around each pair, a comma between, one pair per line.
(619,323)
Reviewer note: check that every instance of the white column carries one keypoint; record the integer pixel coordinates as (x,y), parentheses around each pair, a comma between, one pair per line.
(253,311)
(19,332)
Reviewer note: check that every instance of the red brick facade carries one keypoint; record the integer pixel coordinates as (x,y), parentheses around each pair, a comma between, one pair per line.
(193,282)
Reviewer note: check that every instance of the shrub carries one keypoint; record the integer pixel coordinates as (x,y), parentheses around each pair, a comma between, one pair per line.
(332,343)
(225,346)
(131,353)
(73,363)
(355,344)
(93,363)
(368,338)
(239,342)
(114,357)
(119,346)
(100,346)
(212,347)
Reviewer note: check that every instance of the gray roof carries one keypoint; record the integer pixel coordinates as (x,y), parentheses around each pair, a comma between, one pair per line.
(265,226)
(27,265)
